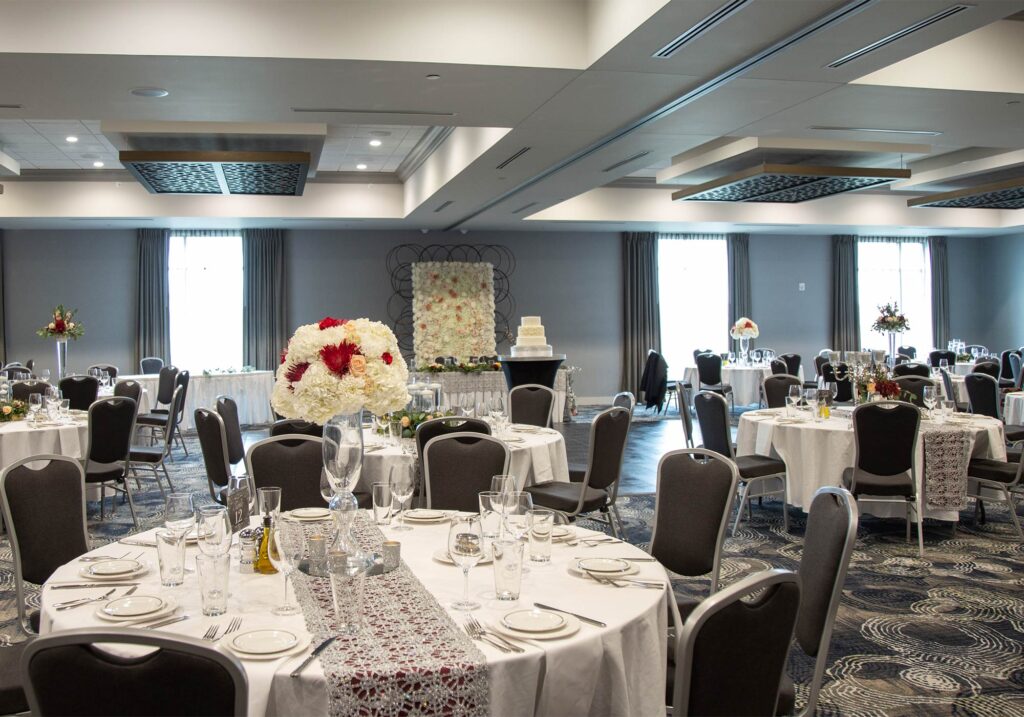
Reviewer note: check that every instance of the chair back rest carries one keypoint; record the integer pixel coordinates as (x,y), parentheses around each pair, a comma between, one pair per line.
(449,424)
(819,361)
(936,356)
(915,385)
(182,381)
(695,493)
(792,363)
(151,364)
(228,411)
(21,390)
(292,462)
(174,416)
(779,367)
(531,404)
(111,427)
(61,672)
(44,510)
(885,434)
(830,373)
(698,352)
(458,466)
(213,444)
(81,391)
(16,373)
(296,427)
(684,414)
(1005,369)
(709,369)
(987,367)
(732,649)
(624,399)
(713,419)
(165,385)
(908,351)
(111,369)
(983,394)
(776,388)
(912,369)
(608,435)
(131,389)
(1015,366)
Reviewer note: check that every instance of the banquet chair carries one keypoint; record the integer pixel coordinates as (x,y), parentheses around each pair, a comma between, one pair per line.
(598,487)
(698,352)
(442,427)
(985,476)
(915,385)
(44,510)
(131,389)
(21,390)
(986,400)
(731,653)
(296,426)
(150,365)
(531,404)
(31,365)
(9,364)
(792,363)
(227,409)
(779,367)
(912,369)
(107,461)
(760,476)
(947,382)
(109,368)
(166,382)
(776,389)
(819,361)
(687,419)
(908,351)
(292,462)
(901,359)
(12,694)
(1006,377)
(156,456)
(987,367)
(1015,371)
(624,399)
(709,373)
(936,356)
(158,418)
(829,538)
(884,470)
(844,387)
(67,673)
(213,443)
(81,391)
(16,373)
(458,466)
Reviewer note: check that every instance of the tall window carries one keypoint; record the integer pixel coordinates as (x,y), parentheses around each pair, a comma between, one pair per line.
(693,288)
(895,270)
(205,284)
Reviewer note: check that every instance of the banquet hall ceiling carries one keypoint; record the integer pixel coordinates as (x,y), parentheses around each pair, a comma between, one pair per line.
(553,105)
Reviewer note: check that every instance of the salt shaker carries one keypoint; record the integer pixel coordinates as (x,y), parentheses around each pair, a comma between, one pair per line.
(247,543)
(392,554)
(317,555)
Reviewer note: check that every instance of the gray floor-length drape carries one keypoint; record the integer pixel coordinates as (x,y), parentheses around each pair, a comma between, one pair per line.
(738,251)
(940,290)
(845,305)
(3,322)
(641,314)
(264,322)
(153,322)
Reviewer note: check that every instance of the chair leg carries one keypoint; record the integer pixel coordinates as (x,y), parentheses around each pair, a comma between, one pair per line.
(167,476)
(103,498)
(785,508)
(177,432)
(906,512)
(616,520)
(1013,513)
(131,504)
(156,477)
(739,512)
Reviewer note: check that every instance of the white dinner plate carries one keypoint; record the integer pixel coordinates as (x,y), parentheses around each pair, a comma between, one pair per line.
(562,533)
(84,572)
(442,556)
(609,566)
(310,513)
(113,567)
(133,606)
(425,515)
(574,570)
(571,627)
(267,644)
(534,621)
(169,606)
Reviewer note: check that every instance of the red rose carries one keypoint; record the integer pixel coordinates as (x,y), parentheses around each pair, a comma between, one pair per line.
(386,358)
(58,326)
(330,321)
(337,358)
(294,374)
(284,354)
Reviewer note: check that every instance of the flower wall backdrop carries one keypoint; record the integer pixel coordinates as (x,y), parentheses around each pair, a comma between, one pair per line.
(453,309)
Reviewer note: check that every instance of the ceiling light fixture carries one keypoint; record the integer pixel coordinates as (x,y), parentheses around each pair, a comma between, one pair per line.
(898,35)
(363,111)
(927,132)
(97,164)
(149,92)
(433,77)
(71,139)
(360,166)
(700,28)
(375,143)
(11,107)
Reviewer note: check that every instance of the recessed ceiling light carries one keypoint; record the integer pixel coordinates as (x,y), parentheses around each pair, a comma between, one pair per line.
(433,77)
(928,132)
(150,92)
(360,166)
(97,164)
(71,139)
(375,143)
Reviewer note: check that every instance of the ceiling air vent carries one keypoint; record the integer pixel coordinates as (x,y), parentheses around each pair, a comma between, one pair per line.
(252,173)
(627,160)
(788,183)
(444,205)
(513,158)
(1007,194)
(899,35)
(700,28)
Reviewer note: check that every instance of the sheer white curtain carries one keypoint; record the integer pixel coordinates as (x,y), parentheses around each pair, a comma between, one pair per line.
(693,281)
(895,270)
(205,286)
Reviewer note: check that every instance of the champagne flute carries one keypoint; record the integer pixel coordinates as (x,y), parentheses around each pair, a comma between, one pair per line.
(403,481)
(213,530)
(465,547)
(285,552)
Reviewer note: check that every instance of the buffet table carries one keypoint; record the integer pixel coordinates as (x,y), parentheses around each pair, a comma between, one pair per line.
(613,670)
(251,391)
(483,385)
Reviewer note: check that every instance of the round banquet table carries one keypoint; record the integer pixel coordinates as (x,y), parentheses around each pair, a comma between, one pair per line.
(816,453)
(745,381)
(537,455)
(1013,409)
(619,669)
(959,386)
(19,439)
(963,368)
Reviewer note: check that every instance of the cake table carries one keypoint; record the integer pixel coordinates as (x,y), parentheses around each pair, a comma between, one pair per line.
(531,369)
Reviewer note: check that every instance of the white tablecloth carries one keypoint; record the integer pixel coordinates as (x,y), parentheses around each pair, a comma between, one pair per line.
(484,385)
(959,386)
(251,392)
(19,440)
(535,458)
(745,381)
(618,670)
(817,453)
(963,368)
(144,401)
(1013,409)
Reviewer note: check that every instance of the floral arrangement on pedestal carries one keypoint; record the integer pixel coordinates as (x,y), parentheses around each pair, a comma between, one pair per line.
(62,325)
(340,366)
(744,329)
(453,310)
(12,410)
(890,320)
(410,420)
(461,367)
(875,379)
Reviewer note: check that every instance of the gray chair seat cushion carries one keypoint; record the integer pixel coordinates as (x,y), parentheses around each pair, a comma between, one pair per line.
(1014,433)
(787,697)
(147,454)
(758,466)
(871,484)
(104,476)
(12,696)
(566,496)
(153,419)
(1013,454)
(988,469)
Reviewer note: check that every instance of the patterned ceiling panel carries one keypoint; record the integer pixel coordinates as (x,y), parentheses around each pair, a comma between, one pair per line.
(249,178)
(261,173)
(177,177)
(1000,195)
(787,183)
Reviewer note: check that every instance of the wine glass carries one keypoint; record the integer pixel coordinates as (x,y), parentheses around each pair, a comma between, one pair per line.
(811,399)
(179,512)
(44,375)
(213,529)
(35,404)
(794,396)
(465,547)
(928,397)
(343,451)
(516,521)
(403,481)
(285,552)
(943,364)
(466,401)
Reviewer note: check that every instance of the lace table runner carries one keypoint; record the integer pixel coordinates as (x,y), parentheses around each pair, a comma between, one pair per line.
(946,452)
(410,658)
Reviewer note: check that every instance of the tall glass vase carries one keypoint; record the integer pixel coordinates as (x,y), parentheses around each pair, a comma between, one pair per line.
(62,358)
(343,461)
(744,350)
(892,349)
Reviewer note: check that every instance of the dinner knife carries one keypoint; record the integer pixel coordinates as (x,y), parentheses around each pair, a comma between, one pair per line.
(80,586)
(164,623)
(590,620)
(617,557)
(312,656)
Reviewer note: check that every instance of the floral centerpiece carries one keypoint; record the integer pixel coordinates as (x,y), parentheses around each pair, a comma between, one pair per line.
(890,320)
(876,379)
(461,367)
(410,420)
(340,366)
(12,411)
(62,325)
(744,329)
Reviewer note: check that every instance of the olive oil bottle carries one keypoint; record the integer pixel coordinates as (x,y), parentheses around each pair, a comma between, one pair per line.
(263,564)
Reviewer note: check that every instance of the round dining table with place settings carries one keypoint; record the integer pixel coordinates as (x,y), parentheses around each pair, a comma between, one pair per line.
(23,438)
(410,630)
(1013,409)
(745,381)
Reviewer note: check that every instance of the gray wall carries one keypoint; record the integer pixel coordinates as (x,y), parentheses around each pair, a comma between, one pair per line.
(999,281)
(92,271)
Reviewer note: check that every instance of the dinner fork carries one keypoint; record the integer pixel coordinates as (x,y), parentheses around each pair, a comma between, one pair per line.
(472,621)
(233,626)
(84,601)
(477,635)
(99,558)
(211,632)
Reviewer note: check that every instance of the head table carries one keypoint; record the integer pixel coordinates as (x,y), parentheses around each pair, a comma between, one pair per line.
(618,669)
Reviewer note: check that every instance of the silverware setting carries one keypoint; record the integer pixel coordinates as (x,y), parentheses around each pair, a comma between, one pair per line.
(83,586)
(473,624)
(584,618)
(137,543)
(100,558)
(162,623)
(313,655)
(630,582)
(211,632)
(592,542)
(85,601)
(616,557)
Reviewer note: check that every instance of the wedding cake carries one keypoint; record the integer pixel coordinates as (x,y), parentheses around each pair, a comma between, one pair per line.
(531,341)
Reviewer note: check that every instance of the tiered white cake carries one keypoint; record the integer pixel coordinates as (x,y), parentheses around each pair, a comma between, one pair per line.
(531,341)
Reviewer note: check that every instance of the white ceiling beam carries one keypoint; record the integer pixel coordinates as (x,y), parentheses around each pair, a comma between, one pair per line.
(9,166)
(963,170)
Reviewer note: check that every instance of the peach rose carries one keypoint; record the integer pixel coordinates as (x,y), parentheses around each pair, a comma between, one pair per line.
(357,366)
(7,410)
(406,422)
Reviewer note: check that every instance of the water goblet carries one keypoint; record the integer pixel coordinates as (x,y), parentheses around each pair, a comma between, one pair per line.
(516,521)
(929,397)
(44,375)
(466,401)
(943,364)
(811,399)
(285,552)
(179,512)
(465,547)
(793,398)
(213,530)
(35,404)
(403,481)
